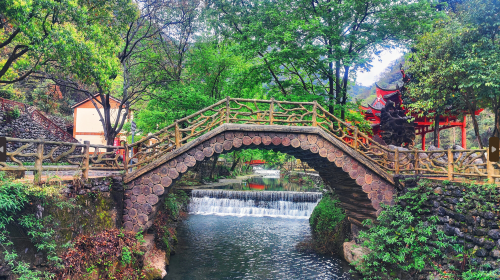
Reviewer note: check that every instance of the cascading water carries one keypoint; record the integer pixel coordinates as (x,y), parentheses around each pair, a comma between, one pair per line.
(258,204)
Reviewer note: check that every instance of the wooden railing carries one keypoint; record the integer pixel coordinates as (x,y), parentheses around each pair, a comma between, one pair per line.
(74,156)
(450,164)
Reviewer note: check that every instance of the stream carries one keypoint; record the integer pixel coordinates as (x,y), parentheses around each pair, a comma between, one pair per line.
(249,232)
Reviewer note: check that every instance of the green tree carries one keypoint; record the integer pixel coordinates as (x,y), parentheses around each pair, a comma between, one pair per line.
(209,70)
(312,47)
(43,35)
(458,63)
(130,70)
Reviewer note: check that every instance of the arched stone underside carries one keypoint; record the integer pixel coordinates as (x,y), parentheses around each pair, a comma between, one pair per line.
(360,185)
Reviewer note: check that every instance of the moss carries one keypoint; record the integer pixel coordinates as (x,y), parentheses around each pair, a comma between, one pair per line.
(151,273)
(328,224)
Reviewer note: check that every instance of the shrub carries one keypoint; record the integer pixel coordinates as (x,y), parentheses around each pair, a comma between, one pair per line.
(14,113)
(402,238)
(327,224)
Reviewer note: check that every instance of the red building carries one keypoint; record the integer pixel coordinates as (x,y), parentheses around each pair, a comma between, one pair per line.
(422,124)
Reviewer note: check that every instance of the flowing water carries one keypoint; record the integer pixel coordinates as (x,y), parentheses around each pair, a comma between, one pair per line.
(254,204)
(250,235)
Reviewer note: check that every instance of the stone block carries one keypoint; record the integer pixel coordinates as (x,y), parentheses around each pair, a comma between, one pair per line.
(481,253)
(488,244)
(494,234)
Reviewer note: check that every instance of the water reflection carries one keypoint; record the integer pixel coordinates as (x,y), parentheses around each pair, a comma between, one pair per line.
(273,183)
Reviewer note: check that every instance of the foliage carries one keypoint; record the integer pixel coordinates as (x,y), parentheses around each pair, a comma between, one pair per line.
(14,198)
(311,48)
(327,224)
(174,202)
(101,253)
(126,256)
(406,238)
(402,238)
(474,274)
(37,35)
(455,66)
(14,113)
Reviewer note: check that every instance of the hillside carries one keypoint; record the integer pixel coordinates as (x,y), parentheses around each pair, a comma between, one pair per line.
(388,79)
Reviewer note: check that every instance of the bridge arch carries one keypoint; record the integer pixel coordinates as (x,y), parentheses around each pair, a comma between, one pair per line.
(360,185)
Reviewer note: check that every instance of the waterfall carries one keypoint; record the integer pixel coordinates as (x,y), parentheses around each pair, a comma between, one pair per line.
(257,204)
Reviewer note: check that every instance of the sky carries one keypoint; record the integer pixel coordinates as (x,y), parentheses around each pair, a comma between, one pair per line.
(379,65)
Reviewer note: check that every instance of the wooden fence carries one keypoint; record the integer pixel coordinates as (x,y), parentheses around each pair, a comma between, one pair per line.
(450,164)
(75,156)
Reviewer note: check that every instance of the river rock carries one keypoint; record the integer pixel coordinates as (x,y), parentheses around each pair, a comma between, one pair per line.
(354,252)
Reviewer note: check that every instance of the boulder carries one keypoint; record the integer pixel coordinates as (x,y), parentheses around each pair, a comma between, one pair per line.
(354,252)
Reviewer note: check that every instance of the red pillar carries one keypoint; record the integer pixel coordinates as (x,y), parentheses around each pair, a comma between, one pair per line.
(423,141)
(464,139)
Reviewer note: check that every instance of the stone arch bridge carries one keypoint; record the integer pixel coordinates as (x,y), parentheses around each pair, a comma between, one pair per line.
(359,169)
(361,186)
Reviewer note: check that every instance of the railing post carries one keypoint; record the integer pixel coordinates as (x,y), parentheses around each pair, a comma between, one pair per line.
(489,169)
(271,111)
(86,160)
(227,109)
(125,158)
(415,165)
(178,136)
(38,162)
(396,161)
(315,114)
(450,164)
(355,143)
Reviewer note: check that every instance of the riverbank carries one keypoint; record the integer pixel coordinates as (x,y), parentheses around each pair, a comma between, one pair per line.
(436,230)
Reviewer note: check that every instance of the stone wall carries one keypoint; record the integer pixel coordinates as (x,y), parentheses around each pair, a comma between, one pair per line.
(471,213)
(25,128)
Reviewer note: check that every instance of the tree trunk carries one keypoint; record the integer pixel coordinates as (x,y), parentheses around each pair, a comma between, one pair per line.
(214,164)
(436,130)
(496,109)
(235,162)
(331,82)
(471,105)
(476,130)
(337,83)
(344,92)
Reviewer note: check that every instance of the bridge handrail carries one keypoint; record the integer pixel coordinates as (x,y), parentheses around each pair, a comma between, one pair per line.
(77,156)
(443,163)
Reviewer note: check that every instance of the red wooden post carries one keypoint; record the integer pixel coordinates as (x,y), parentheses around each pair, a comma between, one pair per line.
(423,141)
(464,139)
